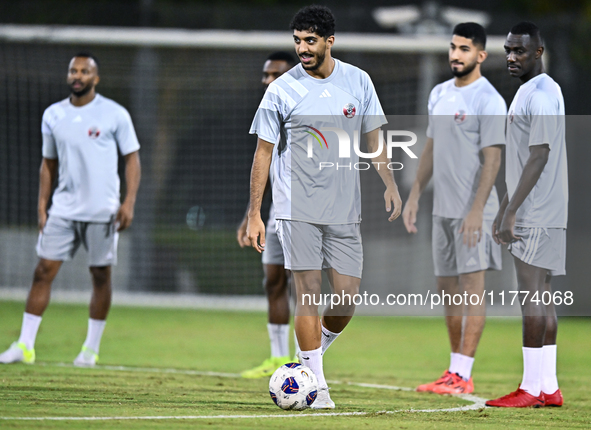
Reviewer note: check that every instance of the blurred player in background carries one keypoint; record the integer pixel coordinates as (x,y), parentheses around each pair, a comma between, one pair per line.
(317,211)
(463,153)
(81,137)
(533,214)
(276,277)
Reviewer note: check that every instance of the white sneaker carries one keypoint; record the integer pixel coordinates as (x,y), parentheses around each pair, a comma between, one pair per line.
(17,353)
(323,400)
(86,358)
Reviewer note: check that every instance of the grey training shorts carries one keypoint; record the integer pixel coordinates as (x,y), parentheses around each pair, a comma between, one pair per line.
(61,238)
(309,246)
(541,247)
(452,258)
(273,254)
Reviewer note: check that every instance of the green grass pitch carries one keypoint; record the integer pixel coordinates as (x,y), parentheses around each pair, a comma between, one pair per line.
(376,350)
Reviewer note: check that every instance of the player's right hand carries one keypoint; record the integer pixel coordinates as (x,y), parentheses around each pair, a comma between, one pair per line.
(241,235)
(409,215)
(42,220)
(255,230)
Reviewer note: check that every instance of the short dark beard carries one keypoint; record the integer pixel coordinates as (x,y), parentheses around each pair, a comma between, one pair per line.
(319,63)
(82,92)
(467,70)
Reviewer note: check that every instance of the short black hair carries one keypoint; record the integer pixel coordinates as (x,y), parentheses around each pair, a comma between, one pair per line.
(86,54)
(315,18)
(473,31)
(282,56)
(527,27)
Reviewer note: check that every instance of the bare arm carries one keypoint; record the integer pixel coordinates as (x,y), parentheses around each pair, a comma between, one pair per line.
(499,218)
(133,173)
(258,179)
(538,157)
(241,235)
(391,195)
(424,174)
(472,224)
(47,176)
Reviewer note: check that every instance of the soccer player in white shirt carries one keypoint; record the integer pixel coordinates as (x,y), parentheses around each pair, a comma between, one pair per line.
(466,123)
(276,277)
(317,210)
(533,214)
(81,138)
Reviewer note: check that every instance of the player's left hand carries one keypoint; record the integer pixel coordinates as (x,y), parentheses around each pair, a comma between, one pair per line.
(124,216)
(392,198)
(472,228)
(506,234)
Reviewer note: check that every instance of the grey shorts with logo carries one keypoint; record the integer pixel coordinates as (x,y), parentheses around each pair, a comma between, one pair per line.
(309,246)
(541,247)
(273,254)
(61,238)
(452,258)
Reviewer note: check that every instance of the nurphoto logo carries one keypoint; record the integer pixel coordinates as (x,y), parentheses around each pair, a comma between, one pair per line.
(317,136)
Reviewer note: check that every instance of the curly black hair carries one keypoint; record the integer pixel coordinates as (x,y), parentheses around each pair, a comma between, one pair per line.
(315,18)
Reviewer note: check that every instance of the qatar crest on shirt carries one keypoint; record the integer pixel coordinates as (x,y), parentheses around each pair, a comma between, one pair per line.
(460,116)
(349,110)
(94,132)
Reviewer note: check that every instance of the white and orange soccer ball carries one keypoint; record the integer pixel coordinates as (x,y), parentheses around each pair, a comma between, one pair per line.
(293,387)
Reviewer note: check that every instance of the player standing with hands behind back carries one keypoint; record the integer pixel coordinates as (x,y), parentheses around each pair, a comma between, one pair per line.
(81,136)
(533,215)
(276,277)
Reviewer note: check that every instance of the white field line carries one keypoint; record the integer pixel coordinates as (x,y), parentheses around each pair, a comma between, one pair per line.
(477,402)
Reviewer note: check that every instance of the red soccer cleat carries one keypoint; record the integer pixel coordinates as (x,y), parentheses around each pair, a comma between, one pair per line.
(518,399)
(554,399)
(449,383)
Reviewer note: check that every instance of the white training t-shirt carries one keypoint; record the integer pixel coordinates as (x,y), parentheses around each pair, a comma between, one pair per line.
(85,140)
(462,121)
(536,117)
(297,109)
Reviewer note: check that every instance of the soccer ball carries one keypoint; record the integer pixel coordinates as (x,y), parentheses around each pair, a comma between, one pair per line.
(293,387)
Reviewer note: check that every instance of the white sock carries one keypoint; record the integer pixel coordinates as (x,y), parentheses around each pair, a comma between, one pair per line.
(464,366)
(94,334)
(279,337)
(296,343)
(532,371)
(454,362)
(313,359)
(328,337)
(29,330)
(549,381)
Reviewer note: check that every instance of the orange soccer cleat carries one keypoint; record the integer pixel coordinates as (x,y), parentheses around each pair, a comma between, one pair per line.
(449,383)
(518,399)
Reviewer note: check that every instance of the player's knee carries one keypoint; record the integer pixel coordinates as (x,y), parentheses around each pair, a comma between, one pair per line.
(44,272)
(101,275)
(275,287)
